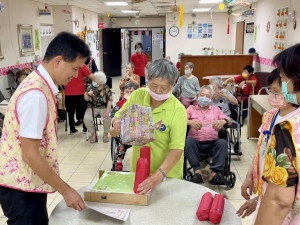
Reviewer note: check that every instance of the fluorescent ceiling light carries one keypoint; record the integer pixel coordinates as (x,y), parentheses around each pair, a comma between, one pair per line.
(201,10)
(116,3)
(210,1)
(130,11)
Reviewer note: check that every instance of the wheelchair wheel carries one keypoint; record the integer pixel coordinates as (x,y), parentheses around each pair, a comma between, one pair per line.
(113,143)
(189,176)
(114,150)
(231,178)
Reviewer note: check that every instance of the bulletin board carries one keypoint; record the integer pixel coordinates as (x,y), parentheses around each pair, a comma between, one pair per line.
(200,31)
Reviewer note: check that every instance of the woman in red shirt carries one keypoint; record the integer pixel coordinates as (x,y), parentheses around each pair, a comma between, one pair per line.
(139,60)
(74,92)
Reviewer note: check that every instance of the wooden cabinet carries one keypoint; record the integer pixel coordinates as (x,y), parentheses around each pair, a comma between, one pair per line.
(207,65)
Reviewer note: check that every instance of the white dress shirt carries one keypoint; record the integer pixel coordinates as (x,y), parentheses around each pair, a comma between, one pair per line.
(32,109)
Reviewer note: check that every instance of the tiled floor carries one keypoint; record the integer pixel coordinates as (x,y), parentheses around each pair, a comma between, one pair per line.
(80,162)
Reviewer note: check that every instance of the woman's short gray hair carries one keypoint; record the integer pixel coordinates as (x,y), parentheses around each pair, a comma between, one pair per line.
(131,64)
(208,87)
(100,77)
(217,81)
(190,64)
(163,68)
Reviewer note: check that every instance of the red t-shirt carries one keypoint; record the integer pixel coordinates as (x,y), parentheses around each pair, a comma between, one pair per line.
(178,65)
(248,89)
(76,85)
(121,102)
(139,61)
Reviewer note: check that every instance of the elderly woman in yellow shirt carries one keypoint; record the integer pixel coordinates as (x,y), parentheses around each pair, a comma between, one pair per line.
(167,149)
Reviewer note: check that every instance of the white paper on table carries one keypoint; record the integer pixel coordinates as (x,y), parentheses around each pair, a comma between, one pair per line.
(120,214)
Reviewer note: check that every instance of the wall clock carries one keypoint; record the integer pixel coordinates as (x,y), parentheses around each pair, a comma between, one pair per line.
(174,31)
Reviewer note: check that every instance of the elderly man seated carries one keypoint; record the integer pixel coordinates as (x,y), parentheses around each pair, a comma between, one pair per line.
(222,97)
(205,121)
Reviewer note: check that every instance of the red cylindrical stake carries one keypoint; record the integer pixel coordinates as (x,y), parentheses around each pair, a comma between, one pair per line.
(217,208)
(140,173)
(146,154)
(204,206)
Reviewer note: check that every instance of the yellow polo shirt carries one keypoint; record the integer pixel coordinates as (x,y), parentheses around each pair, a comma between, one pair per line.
(171,135)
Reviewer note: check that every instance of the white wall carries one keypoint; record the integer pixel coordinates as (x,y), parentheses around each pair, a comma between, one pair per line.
(125,51)
(17,12)
(91,22)
(157,48)
(180,43)
(10,18)
(267,9)
(248,37)
(26,12)
(144,22)
(60,18)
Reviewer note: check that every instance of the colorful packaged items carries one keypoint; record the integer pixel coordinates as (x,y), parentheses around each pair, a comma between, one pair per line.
(137,125)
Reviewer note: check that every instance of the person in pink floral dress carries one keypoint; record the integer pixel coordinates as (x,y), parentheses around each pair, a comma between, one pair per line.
(275,171)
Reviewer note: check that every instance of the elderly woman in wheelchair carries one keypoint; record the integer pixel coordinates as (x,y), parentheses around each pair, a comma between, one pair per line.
(205,121)
(222,97)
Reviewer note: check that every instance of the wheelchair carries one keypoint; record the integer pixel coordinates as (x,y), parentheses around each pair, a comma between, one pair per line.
(115,145)
(242,98)
(235,130)
(204,157)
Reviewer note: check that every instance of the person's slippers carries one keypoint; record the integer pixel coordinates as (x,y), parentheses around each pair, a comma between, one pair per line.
(197,178)
(218,180)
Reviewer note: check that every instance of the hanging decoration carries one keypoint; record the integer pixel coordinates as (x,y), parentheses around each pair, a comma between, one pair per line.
(67,11)
(1,7)
(281,30)
(83,17)
(181,15)
(221,6)
(242,2)
(229,5)
(268,26)
(228,26)
(108,14)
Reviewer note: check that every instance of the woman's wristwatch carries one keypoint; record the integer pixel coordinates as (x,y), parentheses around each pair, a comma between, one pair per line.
(163,173)
(226,124)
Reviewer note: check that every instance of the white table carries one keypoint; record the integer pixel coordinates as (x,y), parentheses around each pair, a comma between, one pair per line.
(257,105)
(222,76)
(173,202)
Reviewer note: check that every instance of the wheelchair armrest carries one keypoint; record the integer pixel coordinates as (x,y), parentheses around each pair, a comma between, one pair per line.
(245,85)
(262,89)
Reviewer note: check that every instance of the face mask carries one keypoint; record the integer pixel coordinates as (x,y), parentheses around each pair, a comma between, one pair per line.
(277,101)
(158,97)
(245,75)
(292,98)
(204,101)
(138,50)
(179,60)
(187,72)
(94,84)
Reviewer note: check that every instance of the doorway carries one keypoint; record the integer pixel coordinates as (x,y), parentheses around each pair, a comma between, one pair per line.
(239,38)
(111,51)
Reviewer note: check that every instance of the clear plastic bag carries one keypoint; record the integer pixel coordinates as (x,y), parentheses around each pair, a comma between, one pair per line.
(137,125)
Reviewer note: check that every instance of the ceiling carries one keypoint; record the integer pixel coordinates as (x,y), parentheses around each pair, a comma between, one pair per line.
(146,8)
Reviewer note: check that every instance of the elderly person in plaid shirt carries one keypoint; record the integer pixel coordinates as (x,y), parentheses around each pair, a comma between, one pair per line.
(205,121)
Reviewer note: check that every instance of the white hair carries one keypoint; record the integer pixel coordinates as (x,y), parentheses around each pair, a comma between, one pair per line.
(100,77)
(208,87)
(217,81)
